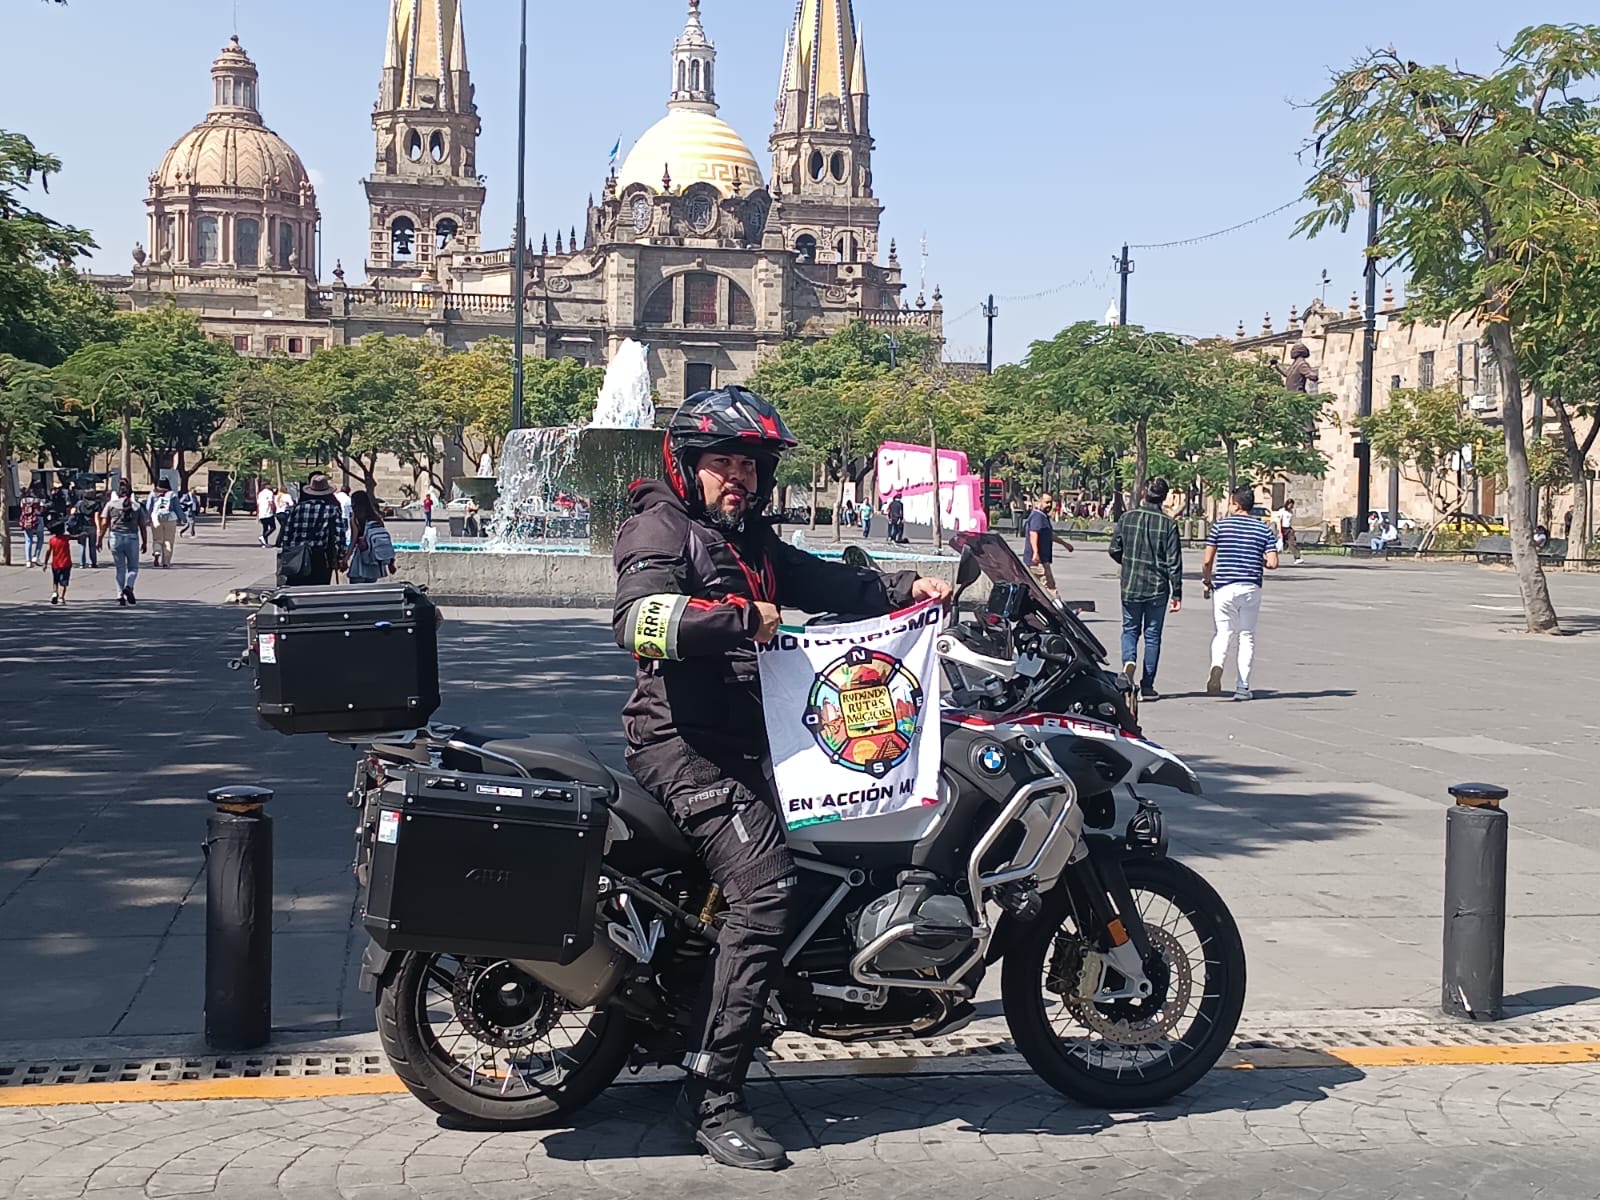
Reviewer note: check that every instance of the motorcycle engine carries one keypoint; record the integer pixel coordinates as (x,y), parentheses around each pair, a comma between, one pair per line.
(941,925)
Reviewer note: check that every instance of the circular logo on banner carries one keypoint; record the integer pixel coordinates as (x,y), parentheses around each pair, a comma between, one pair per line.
(863,710)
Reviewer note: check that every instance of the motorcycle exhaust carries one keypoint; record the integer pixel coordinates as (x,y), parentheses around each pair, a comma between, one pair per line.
(585,981)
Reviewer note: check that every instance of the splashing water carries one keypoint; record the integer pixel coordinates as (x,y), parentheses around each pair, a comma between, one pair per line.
(561,487)
(625,401)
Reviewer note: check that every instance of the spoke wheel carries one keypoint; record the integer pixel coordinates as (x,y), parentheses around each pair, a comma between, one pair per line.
(481,1040)
(1121,1052)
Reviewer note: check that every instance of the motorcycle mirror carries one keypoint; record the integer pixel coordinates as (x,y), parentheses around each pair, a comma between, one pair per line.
(967,571)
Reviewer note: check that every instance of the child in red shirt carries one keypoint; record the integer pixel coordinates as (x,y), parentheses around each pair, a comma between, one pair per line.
(60,562)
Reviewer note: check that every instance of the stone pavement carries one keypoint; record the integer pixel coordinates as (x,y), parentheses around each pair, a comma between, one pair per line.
(1417,1134)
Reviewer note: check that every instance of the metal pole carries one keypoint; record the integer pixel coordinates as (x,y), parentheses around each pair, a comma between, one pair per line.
(520,269)
(1370,334)
(1124,269)
(1394,471)
(238,850)
(990,312)
(1475,903)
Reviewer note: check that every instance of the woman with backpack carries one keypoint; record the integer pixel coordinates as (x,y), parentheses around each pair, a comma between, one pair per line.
(31,516)
(371,548)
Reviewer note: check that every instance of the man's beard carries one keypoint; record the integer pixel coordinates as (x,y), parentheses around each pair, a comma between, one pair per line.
(728,522)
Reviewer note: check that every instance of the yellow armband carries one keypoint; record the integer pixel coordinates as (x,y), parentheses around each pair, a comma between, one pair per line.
(653,625)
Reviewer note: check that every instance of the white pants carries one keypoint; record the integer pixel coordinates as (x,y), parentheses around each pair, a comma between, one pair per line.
(1236,608)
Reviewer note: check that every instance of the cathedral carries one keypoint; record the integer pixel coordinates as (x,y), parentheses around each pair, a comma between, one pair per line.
(691,248)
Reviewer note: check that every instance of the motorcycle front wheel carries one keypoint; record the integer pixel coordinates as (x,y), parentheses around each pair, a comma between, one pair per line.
(1129,1053)
(477,1039)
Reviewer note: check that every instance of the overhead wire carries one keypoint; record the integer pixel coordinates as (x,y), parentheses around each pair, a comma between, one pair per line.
(1206,237)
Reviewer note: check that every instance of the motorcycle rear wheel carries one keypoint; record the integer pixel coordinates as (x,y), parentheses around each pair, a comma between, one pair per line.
(1074,1045)
(477,1040)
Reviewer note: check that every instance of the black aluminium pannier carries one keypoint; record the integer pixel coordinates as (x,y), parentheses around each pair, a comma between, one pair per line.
(486,865)
(361,659)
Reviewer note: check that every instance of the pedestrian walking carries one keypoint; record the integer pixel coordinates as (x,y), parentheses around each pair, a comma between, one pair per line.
(128,523)
(84,525)
(427,508)
(1149,547)
(371,547)
(267,511)
(163,506)
(1019,516)
(1038,551)
(189,505)
(311,544)
(284,503)
(345,507)
(1237,549)
(60,563)
(866,519)
(897,520)
(31,516)
(1285,520)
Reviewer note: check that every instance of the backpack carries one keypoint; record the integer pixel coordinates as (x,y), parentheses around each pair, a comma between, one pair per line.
(380,546)
(75,526)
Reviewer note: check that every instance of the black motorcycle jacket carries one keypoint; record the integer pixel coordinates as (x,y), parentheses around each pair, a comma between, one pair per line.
(685,610)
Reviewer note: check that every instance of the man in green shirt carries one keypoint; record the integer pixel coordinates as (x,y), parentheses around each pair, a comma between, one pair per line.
(1149,547)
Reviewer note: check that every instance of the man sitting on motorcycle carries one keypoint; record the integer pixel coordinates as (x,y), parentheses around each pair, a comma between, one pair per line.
(701,580)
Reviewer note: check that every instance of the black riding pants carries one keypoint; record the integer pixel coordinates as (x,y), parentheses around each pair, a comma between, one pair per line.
(728,812)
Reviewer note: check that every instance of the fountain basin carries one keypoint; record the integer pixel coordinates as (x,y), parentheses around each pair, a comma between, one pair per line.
(561,575)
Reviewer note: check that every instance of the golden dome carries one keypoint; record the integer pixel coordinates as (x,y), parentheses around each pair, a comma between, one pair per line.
(228,153)
(693,147)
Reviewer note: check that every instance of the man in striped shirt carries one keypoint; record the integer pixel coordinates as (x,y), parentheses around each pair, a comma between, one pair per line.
(1237,549)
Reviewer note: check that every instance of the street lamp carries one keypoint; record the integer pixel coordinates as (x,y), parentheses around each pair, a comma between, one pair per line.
(519,272)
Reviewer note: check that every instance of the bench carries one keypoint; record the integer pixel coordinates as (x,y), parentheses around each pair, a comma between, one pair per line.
(1306,538)
(1497,549)
(1406,547)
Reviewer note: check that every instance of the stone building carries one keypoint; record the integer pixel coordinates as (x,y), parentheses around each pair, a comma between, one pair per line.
(689,248)
(1405,356)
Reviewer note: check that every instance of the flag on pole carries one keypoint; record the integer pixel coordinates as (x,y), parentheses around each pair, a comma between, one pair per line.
(615,150)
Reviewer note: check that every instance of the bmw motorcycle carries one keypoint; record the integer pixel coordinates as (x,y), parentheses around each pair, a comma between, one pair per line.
(1121,971)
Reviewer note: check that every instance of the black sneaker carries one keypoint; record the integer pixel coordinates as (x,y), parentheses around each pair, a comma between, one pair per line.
(727,1132)
(1148,692)
(132,599)
(122,598)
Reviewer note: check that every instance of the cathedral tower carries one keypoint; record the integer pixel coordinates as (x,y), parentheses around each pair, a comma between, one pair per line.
(822,142)
(424,195)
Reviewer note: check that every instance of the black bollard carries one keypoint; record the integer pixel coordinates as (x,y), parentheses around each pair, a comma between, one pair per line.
(238,919)
(1475,903)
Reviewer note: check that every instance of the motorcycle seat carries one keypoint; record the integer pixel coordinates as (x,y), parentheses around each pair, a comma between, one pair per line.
(553,756)
(649,820)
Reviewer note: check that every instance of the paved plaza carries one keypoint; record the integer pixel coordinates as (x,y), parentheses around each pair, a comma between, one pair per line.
(1322,825)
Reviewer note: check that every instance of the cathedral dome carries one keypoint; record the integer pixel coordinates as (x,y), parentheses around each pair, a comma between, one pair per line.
(232,148)
(693,147)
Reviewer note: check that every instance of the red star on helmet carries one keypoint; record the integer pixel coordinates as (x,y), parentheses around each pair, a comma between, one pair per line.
(705,424)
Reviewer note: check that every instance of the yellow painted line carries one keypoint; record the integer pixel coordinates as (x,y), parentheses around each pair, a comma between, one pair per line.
(1534,1054)
(314,1087)
(266,1087)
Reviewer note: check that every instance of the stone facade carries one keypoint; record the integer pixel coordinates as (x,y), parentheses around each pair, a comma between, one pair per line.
(1405,356)
(686,250)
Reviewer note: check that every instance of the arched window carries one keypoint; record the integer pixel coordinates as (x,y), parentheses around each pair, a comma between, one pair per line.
(708,78)
(249,97)
(206,245)
(838,165)
(414,146)
(741,313)
(694,76)
(285,244)
(445,232)
(700,299)
(683,76)
(805,246)
(847,248)
(403,239)
(659,310)
(436,147)
(819,165)
(247,242)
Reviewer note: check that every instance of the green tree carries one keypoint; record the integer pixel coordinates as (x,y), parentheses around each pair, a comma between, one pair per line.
(1423,433)
(556,392)
(28,401)
(367,401)
(273,416)
(1489,189)
(1120,379)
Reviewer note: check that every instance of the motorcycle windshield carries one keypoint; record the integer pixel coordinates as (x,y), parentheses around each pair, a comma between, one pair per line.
(997,560)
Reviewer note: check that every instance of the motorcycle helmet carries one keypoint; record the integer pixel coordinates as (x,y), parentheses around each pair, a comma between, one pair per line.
(729,420)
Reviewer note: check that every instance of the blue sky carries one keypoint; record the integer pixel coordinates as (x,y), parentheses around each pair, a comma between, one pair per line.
(1026,138)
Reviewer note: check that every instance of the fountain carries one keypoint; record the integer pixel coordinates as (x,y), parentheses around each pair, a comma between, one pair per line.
(566,485)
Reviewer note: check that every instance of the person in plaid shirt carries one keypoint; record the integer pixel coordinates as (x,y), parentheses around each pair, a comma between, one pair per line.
(313,540)
(1149,547)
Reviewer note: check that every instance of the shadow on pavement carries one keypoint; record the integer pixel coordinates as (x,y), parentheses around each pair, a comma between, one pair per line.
(638,1121)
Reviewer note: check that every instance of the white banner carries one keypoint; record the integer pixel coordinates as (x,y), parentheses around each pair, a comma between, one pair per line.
(853,716)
